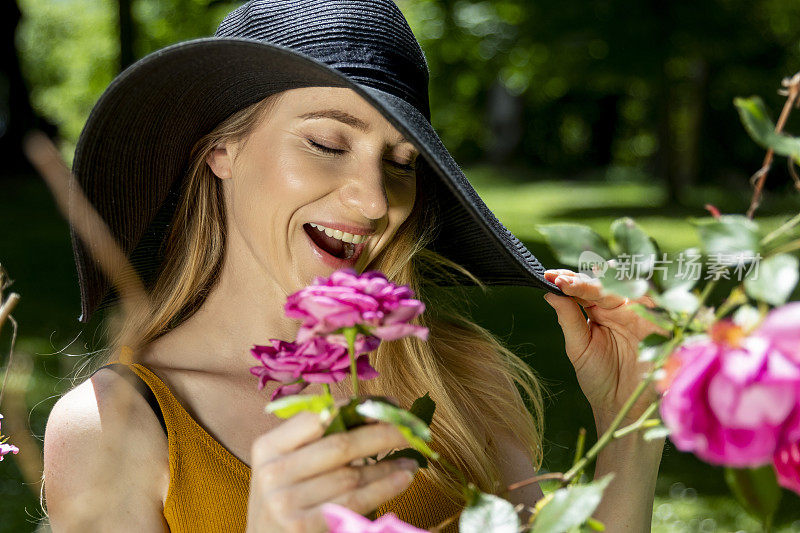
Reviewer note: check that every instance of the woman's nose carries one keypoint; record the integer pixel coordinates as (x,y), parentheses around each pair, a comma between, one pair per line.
(365,191)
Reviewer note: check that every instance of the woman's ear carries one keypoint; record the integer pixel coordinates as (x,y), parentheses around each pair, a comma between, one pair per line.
(220,161)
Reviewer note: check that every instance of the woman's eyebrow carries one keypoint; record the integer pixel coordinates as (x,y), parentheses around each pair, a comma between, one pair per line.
(345,118)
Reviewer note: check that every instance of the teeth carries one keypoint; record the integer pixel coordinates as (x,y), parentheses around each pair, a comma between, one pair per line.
(341,235)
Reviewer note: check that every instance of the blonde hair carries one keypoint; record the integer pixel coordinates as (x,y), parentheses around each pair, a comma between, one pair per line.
(474,379)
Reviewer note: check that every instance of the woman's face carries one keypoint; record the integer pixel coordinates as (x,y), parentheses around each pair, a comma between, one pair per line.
(322,156)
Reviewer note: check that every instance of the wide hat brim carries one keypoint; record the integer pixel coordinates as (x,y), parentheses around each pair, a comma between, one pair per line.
(134,151)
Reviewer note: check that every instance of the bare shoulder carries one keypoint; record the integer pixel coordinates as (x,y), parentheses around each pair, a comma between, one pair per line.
(515,466)
(106,464)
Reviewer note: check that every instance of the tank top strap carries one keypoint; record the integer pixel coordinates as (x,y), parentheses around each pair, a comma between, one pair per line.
(209,486)
(187,432)
(141,386)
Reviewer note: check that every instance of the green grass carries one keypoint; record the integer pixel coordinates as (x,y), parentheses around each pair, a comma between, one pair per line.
(521,205)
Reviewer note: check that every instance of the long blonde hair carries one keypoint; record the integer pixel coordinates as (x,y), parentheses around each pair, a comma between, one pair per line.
(477,383)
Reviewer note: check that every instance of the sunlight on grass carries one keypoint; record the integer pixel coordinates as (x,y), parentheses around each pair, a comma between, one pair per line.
(521,206)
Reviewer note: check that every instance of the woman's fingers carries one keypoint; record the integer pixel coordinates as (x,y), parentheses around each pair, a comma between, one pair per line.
(330,452)
(301,429)
(589,291)
(574,326)
(364,499)
(328,486)
(591,295)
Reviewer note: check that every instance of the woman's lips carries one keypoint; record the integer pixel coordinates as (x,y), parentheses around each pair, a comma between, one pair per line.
(329,259)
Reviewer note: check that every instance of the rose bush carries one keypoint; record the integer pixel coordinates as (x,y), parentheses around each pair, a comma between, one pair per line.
(734,396)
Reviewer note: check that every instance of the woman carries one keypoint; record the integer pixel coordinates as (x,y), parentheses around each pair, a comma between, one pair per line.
(304,145)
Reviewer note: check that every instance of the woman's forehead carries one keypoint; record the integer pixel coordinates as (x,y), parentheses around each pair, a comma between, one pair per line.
(337,103)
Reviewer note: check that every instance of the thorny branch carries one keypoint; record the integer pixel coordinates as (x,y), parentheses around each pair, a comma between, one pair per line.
(791,92)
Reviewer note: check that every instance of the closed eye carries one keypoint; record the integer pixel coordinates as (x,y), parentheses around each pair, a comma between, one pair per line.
(333,151)
(325,149)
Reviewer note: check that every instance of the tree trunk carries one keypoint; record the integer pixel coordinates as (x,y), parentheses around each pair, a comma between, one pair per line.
(504,112)
(126,34)
(16,114)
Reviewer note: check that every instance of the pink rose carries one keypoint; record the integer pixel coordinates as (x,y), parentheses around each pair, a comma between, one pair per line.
(347,299)
(731,398)
(314,361)
(787,465)
(343,520)
(6,448)
(782,327)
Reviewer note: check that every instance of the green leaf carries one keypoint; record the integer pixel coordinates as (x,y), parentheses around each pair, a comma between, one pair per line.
(747,317)
(569,241)
(289,406)
(728,239)
(650,346)
(386,412)
(488,513)
(756,121)
(773,279)
(677,300)
(570,506)
(413,429)
(417,443)
(623,282)
(682,269)
(756,489)
(596,525)
(658,318)
(346,417)
(411,453)
(631,242)
(336,425)
(423,408)
(657,432)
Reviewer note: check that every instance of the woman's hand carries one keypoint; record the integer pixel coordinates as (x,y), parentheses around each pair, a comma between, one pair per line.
(295,470)
(604,348)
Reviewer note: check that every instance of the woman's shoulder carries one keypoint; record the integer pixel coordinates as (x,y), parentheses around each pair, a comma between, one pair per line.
(104,445)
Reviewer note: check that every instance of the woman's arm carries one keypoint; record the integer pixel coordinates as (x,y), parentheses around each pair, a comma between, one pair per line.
(627,503)
(515,466)
(104,465)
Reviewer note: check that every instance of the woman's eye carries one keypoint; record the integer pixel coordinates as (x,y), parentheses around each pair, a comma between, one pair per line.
(323,148)
(334,151)
(404,168)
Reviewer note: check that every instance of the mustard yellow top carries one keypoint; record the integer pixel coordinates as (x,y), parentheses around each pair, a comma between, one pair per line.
(209,485)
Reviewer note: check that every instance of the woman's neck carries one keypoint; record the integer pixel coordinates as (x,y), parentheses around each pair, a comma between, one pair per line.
(217,338)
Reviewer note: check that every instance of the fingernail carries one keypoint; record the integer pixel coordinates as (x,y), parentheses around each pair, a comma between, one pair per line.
(407,463)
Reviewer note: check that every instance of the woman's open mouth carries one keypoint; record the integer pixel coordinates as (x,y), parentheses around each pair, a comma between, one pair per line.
(336,252)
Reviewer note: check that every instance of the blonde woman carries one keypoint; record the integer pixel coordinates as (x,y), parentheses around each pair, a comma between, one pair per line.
(233,170)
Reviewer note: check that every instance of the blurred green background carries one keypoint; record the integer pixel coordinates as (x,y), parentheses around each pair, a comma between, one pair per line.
(557,111)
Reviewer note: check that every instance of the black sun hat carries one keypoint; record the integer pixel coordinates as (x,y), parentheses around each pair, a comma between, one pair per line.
(133,152)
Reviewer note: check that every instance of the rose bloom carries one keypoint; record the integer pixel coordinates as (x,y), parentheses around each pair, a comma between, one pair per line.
(6,448)
(734,398)
(314,361)
(786,463)
(347,299)
(343,520)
